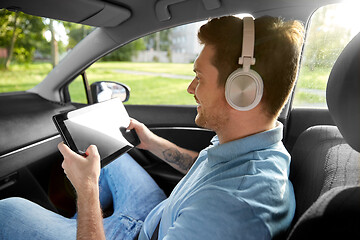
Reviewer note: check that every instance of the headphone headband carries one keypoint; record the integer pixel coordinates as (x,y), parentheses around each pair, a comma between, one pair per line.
(244,86)
(247,55)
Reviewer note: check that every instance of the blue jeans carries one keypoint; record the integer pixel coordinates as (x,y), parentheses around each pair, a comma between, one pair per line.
(123,182)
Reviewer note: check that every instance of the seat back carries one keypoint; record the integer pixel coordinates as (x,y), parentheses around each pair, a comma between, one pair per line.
(321,160)
(326,160)
(335,215)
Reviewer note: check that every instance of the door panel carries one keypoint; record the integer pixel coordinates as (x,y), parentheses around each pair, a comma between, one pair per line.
(163,116)
(26,119)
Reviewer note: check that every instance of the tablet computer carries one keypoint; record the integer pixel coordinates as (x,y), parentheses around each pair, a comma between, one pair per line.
(102,124)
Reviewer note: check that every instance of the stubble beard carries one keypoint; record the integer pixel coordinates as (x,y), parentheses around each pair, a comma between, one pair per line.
(210,120)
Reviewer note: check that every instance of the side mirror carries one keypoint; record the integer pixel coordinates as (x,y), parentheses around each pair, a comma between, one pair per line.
(106,90)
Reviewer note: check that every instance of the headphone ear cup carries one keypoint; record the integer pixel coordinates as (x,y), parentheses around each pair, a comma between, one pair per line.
(244,89)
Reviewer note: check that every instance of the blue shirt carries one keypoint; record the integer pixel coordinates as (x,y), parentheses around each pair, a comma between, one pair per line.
(236,190)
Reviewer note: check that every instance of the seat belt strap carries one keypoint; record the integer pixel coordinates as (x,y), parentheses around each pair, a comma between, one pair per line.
(154,236)
(156,232)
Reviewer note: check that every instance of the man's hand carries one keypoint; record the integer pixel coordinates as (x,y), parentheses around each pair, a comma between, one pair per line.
(177,157)
(147,138)
(83,172)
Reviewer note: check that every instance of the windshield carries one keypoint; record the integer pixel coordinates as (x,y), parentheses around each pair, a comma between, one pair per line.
(31,46)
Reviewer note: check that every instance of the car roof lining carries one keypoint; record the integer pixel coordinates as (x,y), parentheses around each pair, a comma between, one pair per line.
(99,12)
(89,12)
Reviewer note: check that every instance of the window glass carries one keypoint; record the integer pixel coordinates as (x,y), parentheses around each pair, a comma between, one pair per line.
(331,28)
(31,46)
(157,68)
(77,90)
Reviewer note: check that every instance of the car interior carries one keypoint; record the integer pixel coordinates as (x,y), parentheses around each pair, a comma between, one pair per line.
(324,143)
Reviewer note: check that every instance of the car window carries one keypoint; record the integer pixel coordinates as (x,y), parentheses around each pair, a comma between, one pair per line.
(31,46)
(330,29)
(157,68)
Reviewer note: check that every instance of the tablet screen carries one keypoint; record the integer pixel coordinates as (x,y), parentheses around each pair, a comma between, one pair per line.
(98,124)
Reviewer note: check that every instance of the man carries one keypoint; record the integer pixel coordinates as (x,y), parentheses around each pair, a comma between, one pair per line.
(237,188)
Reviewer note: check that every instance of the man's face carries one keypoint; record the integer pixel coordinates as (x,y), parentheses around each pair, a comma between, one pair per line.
(212,106)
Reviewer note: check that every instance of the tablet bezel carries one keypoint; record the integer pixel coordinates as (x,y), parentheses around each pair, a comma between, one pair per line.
(64,132)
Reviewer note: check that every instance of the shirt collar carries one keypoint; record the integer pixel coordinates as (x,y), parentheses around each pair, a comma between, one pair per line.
(225,152)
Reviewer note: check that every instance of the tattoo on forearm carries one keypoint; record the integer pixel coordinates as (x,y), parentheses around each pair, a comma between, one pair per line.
(183,160)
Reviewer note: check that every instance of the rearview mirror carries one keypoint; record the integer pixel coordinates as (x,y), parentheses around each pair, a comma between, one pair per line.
(106,90)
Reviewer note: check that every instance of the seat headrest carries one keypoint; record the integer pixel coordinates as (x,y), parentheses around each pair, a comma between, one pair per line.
(343,93)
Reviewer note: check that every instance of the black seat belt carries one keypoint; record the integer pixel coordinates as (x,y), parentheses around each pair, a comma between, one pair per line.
(156,232)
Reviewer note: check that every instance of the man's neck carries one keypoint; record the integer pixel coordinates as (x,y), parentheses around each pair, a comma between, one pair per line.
(237,129)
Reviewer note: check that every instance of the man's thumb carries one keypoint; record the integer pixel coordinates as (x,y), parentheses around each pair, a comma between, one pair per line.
(92,151)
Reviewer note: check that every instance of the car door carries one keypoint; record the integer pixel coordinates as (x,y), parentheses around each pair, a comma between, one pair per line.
(28,145)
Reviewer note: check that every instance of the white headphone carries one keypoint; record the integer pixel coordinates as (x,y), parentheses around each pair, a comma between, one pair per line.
(244,87)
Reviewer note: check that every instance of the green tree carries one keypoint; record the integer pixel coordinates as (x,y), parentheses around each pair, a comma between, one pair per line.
(126,52)
(52,48)
(54,45)
(21,34)
(76,32)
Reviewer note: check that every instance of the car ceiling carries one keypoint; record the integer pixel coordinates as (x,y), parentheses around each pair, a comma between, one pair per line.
(111,13)
(90,12)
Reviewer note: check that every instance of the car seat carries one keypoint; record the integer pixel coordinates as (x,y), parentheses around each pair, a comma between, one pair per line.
(325,168)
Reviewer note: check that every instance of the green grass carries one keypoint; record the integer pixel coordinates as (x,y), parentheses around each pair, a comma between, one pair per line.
(144,89)
(315,79)
(22,77)
(147,89)
(173,68)
(309,99)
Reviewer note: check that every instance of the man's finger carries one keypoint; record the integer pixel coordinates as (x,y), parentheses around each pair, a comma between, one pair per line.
(92,151)
(63,165)
(132,124)
(65,150)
